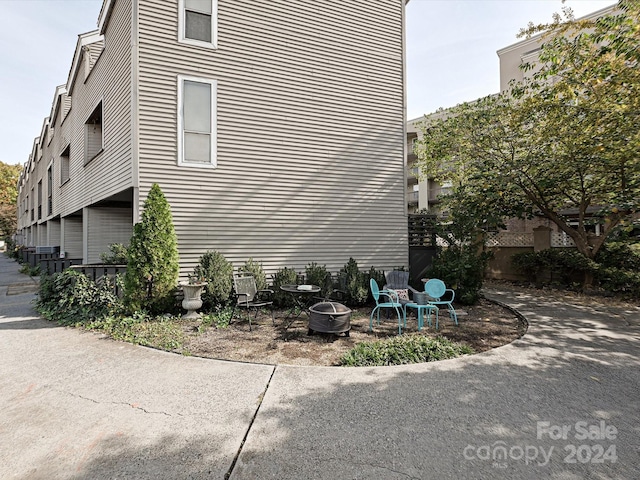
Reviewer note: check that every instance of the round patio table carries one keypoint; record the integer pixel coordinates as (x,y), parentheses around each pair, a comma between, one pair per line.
(302,296)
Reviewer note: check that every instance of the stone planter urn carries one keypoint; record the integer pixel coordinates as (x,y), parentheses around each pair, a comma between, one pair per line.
(192,300)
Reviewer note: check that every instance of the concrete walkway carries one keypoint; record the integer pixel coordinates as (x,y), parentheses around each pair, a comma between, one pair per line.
(563,403)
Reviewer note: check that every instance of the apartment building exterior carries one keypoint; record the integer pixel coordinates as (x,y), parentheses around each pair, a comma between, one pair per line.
(275,129)
(424,189)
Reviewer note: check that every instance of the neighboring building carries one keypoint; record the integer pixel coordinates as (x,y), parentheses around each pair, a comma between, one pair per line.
(423,192)
(275,129)
(426,190)
(526,51)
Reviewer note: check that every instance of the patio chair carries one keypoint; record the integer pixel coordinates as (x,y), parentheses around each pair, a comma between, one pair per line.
(399,281)
(436,289)
(248,296)
(392,302)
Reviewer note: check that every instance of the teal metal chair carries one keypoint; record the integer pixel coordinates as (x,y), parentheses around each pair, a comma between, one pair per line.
(389,300)
(437,290)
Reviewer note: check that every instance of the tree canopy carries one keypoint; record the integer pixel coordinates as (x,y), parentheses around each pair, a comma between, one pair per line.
(564,143)
(9,175)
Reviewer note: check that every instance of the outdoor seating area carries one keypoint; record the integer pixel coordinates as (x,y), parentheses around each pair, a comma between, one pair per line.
(435,295)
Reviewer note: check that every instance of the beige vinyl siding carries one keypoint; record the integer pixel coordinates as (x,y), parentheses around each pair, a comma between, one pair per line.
(42,235)
(106,226)
(53,233)
(110,83)
(72,227)
(66,105)
(310,139)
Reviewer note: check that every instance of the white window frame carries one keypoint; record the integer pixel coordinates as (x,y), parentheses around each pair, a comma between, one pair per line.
(214,157)
(89,156)
(62,157)
(50,186)
(214,27)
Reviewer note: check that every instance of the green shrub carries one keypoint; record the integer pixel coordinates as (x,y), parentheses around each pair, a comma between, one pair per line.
(319,275)
(625,283)
(461,269)
(284,276)
(620,255)
(12,249)
(27,269)
(152,267)
(71,297)
(218,273)
(378,276)
(403,350)
(560,265)
(356,284)
(163,332)
(220,317)
(254,269)
(117,255)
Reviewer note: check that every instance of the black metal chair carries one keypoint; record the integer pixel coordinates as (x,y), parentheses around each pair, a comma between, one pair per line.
(248,296)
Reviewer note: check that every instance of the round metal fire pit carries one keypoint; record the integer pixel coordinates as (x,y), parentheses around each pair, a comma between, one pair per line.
(329,317)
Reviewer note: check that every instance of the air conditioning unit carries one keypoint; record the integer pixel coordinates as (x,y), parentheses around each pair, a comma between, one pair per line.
(42,250)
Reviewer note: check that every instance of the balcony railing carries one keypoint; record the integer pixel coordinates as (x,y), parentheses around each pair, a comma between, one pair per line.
(413,172)
(434,193)
(412,198)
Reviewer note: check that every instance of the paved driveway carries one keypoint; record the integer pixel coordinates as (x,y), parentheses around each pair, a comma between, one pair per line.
(563,402)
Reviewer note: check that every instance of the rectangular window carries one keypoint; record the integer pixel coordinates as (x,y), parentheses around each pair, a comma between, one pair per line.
(196,122)
(198,22)
(50,190)
(93,134)
(64,165)
(40,200)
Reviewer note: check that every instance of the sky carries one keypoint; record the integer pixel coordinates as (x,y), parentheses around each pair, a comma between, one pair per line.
(451,54)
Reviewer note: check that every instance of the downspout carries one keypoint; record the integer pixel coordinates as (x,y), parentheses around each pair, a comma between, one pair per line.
(135,108)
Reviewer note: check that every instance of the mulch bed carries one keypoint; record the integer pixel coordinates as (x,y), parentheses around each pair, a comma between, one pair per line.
(485,326)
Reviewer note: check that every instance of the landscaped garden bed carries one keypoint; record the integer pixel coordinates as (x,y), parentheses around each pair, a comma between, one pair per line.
(485,326)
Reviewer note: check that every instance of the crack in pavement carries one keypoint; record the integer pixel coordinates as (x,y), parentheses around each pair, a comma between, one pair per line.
(132,405)
(244,439)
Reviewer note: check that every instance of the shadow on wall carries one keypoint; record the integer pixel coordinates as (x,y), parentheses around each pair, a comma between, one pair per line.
(322,206)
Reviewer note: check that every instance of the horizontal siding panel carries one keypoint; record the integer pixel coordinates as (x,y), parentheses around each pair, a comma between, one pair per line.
(107,226)
(110,82)
(310,129)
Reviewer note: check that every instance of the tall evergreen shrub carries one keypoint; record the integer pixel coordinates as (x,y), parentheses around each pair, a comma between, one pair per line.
(218,273)
(153,266)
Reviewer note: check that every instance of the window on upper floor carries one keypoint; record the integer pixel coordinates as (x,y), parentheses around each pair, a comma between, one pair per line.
(93,134)
(64,165)
(40,200)
(196,122)
(198,22)
(50,190)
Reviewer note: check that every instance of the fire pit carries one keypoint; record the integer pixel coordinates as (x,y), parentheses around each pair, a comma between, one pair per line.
(329,317)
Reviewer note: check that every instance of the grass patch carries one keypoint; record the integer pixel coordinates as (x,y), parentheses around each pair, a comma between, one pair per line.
(403,350)
(220,317)
(164,333)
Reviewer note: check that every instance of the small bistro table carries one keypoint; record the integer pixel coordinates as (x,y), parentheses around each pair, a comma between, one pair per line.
(421,309)
(302,296)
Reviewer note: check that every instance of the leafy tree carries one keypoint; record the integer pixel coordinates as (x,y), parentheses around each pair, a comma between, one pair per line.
(461,260)
(153,266)
(9,175)
(566,140)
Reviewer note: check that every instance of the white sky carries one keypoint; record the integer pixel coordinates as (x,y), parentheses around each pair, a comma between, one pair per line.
(451,54)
